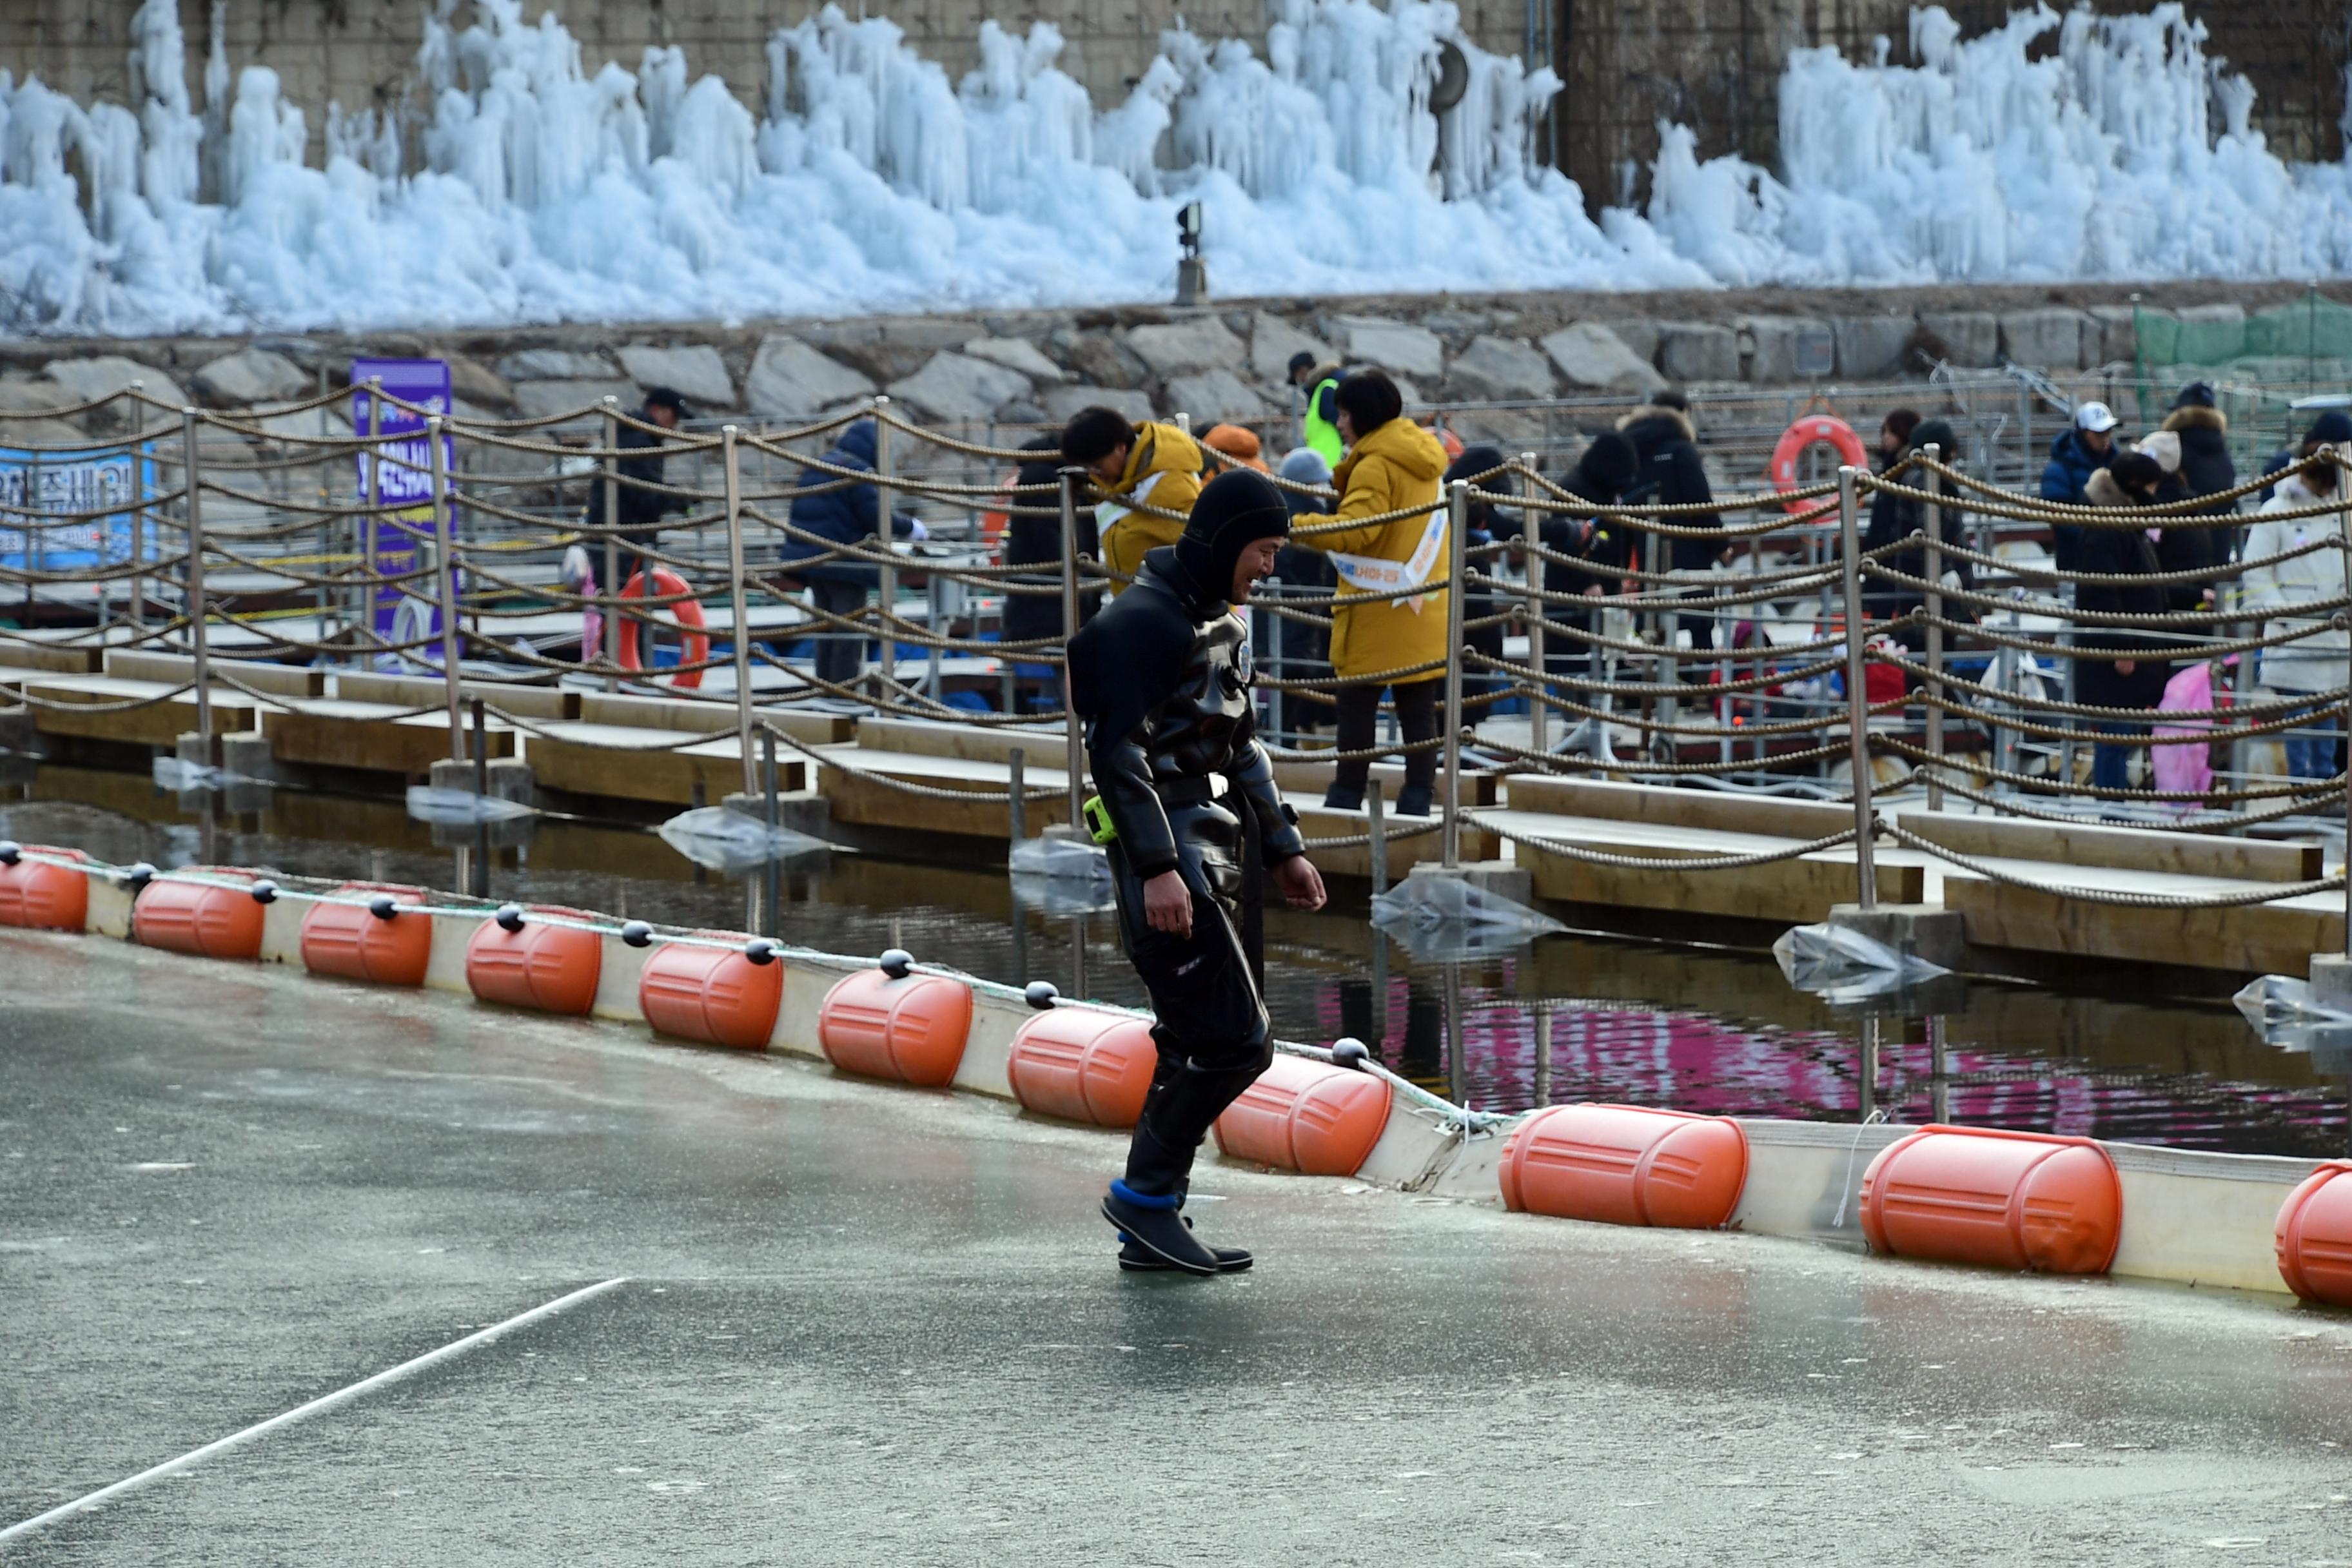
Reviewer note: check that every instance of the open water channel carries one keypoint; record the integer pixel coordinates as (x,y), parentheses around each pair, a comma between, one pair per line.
(1700,1019)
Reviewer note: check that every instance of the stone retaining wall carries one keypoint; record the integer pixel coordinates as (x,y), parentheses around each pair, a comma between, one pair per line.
(1224,362)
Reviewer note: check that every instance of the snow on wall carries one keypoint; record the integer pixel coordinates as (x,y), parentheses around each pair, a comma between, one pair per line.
(518,185)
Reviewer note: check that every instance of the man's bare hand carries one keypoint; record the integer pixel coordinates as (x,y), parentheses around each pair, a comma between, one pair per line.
(1301,883)
(1168,904)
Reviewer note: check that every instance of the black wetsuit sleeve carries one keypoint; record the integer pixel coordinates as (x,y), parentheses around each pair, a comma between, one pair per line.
(1122,667)
(1252,774)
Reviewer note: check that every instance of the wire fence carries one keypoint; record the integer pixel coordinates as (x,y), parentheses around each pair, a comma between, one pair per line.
(2170,660)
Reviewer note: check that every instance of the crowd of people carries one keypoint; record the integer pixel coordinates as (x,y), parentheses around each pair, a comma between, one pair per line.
(1383,539)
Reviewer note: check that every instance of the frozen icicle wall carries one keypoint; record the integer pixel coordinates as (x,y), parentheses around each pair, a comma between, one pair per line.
(2124,153)
(516,182)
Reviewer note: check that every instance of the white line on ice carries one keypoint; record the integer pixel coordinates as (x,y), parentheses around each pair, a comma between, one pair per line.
(323,1403)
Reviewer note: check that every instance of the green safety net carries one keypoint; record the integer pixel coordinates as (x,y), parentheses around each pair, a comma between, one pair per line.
(2261,365)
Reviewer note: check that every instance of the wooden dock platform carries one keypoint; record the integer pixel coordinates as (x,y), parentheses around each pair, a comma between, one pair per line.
(938,781)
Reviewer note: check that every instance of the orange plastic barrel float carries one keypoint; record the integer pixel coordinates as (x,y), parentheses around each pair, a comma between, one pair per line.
(352,941)
(1626,1164)
(1307,1115)
(1083,1066)
(42,894)
(2007,1200)
(714,994)
(911,1029)
(2315,1235)
(205,919)
(532,963)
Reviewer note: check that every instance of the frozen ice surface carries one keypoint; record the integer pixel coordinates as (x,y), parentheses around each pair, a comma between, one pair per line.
(542,190)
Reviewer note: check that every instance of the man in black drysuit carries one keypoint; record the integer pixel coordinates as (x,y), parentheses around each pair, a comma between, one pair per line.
(1161,678)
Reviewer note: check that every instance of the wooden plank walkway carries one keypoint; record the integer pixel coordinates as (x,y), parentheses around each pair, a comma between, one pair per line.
(587,745)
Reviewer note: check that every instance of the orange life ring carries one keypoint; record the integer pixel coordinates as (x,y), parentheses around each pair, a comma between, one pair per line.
(667,584)
(994,520)
(1811,431)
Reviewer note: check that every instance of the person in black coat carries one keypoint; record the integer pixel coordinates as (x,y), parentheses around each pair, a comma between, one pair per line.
(1037,542)
(848,515)
(2131,481)
(1895,518)
(641,510)
(1605,470)
(1672,473)
(2205,466)
(1487,524)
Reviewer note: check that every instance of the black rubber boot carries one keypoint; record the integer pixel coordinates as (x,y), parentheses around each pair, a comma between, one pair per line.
(1344,798)
(1134,1259)
(1412,799)
(1149,1223)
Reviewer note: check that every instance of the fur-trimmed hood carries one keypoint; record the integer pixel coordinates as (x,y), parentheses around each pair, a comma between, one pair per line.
(2100,489)
(2192,418)
(1650,411)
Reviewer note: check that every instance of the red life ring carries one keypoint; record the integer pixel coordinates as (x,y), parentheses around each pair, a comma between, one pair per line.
(668,585)
(1811,431)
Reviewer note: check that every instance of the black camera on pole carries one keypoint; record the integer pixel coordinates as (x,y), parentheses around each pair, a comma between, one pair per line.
(1192,272)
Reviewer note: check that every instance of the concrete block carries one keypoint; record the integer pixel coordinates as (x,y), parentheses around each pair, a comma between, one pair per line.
(957,387)
(1501,369)
(1017,354)
(1062,402)
(103,375)
(1926,931)
(2116,329)
(471,381)
(249,756)
(693,370)
(1398,347)
(1098,358)
(791,380)
(1641,336)
(1273,341)
(557,364)
(1188,347)
(1770,357)
(2050,338)
(1970,339)
(1870,346)
(2231,314)
(1500,878)
(2331,979)
(1589,354)
(1213,395)
(250,376)
(1698,351)
(538,399)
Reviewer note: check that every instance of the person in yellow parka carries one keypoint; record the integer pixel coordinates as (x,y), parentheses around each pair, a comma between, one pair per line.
(1392,465)
(1152,463)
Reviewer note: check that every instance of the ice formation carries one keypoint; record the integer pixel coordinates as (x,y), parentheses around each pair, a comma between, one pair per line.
(516,185)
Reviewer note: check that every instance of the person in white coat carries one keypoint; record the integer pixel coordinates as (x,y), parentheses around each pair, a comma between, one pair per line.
(2315,661)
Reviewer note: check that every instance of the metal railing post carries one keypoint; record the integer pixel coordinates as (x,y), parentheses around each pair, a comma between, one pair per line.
(1531,540)
(444,574)
(613,584)
(365,618)
(136,609)
(1074,755)
(1857,701)
(2343,476)
(1935,601)
(1017,773)
(196,613)
(886,575)
(733,477)
(1376,836)
(1457,562)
